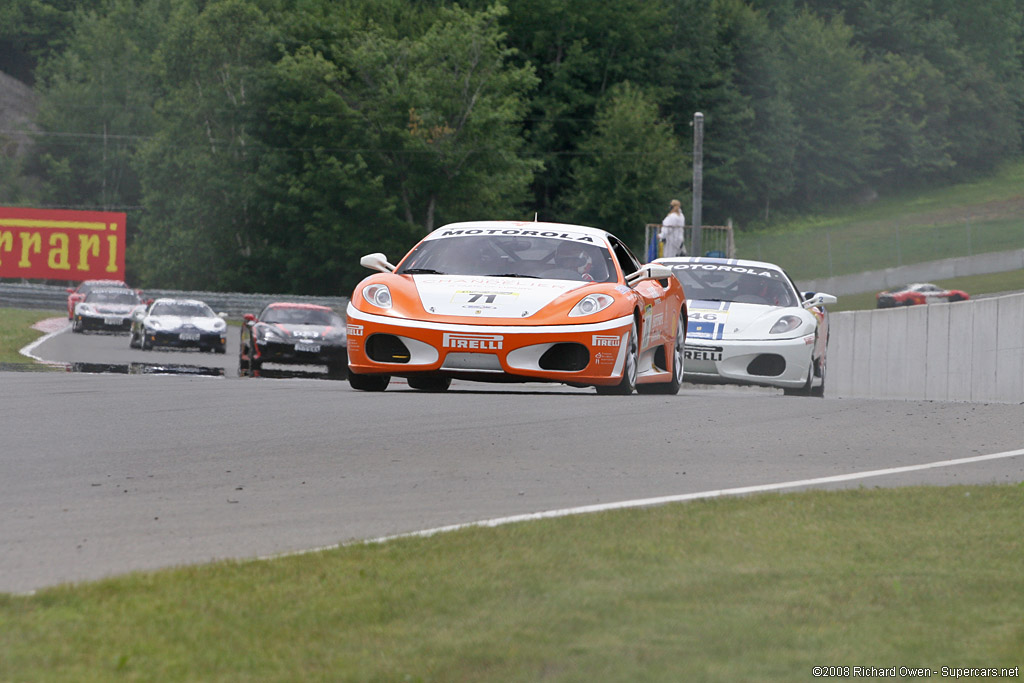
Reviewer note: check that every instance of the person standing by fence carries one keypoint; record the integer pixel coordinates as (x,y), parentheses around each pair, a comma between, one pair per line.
(672,233)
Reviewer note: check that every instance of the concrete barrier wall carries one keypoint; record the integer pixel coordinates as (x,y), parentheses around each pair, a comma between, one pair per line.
(878,280)
(964,351)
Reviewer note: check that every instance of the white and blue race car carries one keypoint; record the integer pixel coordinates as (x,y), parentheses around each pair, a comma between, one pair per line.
(748,324)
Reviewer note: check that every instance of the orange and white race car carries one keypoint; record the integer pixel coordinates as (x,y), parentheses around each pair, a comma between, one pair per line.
(503,301)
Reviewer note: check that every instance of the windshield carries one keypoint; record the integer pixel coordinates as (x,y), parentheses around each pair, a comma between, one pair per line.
(185,310)
(739,284)
(512,256)
(122,296)
(301,316)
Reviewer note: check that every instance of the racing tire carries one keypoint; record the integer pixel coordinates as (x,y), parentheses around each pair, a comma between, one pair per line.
(368,382)
(819,390)
(671,387)
(337,370)
(432,384)
(143,343)
(76,326)
(628,383)
(223,348)
(805,390)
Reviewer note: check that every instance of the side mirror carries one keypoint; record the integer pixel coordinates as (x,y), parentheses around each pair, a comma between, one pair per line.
(652,271)
(814,299)
(222,315)
(377,261)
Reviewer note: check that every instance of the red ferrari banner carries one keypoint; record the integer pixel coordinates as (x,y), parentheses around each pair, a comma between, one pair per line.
(61,245)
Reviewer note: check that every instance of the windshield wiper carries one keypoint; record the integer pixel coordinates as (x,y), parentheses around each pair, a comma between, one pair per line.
(421,271)
(511,275)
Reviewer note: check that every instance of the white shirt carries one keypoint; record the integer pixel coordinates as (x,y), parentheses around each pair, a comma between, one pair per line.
(673,234)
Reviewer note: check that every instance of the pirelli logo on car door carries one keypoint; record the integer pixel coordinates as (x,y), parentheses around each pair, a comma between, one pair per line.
(61,244)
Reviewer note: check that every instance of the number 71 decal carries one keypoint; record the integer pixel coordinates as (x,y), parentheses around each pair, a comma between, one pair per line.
(469,297)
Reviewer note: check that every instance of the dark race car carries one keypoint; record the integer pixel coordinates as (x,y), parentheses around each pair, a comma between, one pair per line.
(918,293)
(294,334)
(106,309)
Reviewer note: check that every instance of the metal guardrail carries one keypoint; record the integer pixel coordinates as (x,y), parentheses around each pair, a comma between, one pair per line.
(235,305)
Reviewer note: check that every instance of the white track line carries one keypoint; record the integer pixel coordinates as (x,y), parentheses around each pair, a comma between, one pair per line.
(662,500)
(27,350)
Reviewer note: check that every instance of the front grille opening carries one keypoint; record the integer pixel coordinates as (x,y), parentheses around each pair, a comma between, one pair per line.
(767,365)
(386,348)
(565,356)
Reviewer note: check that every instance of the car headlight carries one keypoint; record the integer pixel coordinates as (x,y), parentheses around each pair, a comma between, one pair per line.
(152,325)
(269,333)
(84,308)
(786,323)
(219,325)
(378,295)
(590,304)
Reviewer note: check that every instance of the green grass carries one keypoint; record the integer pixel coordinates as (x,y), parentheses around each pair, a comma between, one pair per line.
(16,332)
(757,588)
(972,218)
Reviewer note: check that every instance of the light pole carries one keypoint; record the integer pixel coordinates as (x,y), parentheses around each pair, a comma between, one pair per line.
(698,180)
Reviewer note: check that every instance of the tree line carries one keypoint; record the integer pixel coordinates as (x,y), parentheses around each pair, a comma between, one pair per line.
(264,145)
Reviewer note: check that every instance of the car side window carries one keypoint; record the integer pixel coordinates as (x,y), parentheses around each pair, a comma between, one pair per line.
(627,262)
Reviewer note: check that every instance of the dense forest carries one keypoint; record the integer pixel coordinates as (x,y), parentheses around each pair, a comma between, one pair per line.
(264,145)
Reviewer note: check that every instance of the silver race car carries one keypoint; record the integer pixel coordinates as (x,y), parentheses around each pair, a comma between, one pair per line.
(748,324)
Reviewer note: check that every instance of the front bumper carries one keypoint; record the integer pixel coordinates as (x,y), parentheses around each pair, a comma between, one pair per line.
(187,338)
(585,354)
(775,363)
(114,322)
(301,353)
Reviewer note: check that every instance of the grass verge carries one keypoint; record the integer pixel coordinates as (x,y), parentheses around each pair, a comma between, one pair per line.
(960,220)
(16,332)
(757,588)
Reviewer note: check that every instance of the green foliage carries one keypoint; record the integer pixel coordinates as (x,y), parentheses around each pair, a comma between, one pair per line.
(630,166)
(267,144)
(200,208)
(581,49)
(32,29)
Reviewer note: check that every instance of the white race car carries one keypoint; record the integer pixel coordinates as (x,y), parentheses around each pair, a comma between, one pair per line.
(106,309)
(179,323)
(748,324)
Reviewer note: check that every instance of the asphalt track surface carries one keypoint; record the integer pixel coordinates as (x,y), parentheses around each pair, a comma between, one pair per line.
(105,473)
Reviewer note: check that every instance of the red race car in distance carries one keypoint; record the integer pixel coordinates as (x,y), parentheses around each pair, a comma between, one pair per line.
(76,295)
(918,293)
